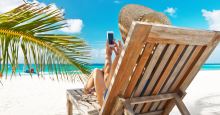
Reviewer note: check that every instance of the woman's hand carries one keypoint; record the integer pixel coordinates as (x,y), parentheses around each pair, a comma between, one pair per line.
(108,50)
(117,47)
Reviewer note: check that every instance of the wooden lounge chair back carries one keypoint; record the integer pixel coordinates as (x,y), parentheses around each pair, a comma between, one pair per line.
(157,63)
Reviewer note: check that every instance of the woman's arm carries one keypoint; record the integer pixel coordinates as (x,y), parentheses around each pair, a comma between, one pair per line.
(108,62)
(117,50)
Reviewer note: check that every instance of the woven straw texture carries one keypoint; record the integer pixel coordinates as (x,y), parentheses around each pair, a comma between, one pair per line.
(134,12)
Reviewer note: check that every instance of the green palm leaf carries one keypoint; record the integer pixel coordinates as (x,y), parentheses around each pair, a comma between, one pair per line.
(26,27)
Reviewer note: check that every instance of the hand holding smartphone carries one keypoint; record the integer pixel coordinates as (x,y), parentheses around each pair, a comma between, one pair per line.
(110,38)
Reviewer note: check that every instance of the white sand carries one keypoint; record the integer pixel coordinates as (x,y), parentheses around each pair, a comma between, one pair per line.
(25,96)
(203,95)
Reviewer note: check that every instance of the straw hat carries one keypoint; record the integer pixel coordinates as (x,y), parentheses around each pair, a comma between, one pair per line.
(134,12)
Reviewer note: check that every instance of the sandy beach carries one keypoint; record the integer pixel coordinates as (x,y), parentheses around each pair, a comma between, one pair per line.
(33,96)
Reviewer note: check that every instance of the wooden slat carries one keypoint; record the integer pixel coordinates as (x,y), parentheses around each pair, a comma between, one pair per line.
(72,92)
(147,99)
(127,107)
(194,69)
(157,73)
(119,108)
(149,69)
(173,35)
(78,92)
(191,59)
(181,106)
(69,106)
(87,104)
(177,69)
(96,105)
(73,95)
(145,56)
(174,74)
(165,74)
(136,75)
(133,46)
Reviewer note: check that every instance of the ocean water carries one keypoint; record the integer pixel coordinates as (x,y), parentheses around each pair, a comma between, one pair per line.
(211,67)
(21,68)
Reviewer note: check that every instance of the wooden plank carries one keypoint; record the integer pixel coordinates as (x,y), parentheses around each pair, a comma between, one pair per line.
(72,92)
(127,107)
(181,106)
(173,35)
(87,104)
(134,79)
(96,105)
(133,46)
(147,99)
(73,96)
(194,70)
(93,112)
(149,69)
(173,76)
(78,92)
(165,74)
(187,65)
(178,68)
(69,106)
(147,51)
(157,73)
(118,107)
(191,75)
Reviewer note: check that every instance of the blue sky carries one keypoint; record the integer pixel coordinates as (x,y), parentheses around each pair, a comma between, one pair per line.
(92,18)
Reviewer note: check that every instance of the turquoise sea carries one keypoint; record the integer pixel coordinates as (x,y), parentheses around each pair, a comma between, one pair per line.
(21,67)
(211,67)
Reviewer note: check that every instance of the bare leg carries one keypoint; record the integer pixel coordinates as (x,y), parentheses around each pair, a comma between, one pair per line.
(99,85)
(90,83)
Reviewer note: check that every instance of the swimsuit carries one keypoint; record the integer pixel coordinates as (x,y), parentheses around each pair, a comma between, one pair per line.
(105,93)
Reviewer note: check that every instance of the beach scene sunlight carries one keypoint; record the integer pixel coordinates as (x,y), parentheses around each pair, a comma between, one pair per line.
(109,57)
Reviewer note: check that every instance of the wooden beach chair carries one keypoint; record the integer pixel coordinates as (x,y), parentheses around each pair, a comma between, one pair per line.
(155,68)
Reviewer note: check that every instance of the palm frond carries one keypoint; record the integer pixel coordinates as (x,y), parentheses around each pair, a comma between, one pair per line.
(27,27)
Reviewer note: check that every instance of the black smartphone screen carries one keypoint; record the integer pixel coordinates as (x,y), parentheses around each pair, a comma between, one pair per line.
(110,38)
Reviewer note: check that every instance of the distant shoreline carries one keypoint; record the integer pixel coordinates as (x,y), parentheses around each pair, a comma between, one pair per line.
(20,69)
(212,64)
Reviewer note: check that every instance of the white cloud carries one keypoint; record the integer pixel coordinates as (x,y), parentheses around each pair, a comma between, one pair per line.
(98,55)
(7,5)
(171,11)
(215,56)
(74,26)
(213,18)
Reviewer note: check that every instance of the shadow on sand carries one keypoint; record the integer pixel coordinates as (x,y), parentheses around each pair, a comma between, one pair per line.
(209,105)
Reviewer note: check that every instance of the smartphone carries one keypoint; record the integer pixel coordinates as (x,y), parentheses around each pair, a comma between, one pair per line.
(110,38)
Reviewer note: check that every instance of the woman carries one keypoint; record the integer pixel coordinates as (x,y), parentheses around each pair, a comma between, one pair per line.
(100,79)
